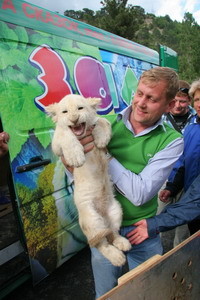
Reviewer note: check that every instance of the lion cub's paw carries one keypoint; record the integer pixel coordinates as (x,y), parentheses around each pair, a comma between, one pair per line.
(122,243)
(101,141)
(76,161)
(117,257)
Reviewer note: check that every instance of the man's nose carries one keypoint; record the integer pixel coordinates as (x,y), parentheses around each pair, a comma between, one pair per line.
(142,101)
(177,103)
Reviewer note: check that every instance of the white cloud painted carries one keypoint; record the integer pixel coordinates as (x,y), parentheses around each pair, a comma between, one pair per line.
(174,8)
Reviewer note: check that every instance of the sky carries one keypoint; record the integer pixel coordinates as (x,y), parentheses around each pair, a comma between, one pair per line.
(174,8)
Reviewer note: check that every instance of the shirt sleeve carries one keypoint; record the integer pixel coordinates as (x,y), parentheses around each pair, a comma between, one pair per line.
(142,187)
(184,211)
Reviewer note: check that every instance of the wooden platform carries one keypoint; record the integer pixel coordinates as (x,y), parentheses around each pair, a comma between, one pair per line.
(173,276)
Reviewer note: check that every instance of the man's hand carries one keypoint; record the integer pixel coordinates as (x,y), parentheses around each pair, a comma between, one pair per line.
(164,196)
(139,234)
(88,141)
(70,169)
(4,138)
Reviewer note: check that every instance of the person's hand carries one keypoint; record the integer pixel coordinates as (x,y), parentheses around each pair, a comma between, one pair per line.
(139,234)
(87,141)
(164,196)
(70,169)
(4,138)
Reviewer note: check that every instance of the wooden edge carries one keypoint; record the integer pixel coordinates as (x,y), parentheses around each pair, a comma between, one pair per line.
(143,267)
(156,259)
(192,237)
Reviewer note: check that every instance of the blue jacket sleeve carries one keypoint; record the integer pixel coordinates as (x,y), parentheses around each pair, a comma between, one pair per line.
(182,212)
(176,178)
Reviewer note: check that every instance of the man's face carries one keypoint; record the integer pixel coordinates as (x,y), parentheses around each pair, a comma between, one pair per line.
(197,102)
(181,105)
(150,103)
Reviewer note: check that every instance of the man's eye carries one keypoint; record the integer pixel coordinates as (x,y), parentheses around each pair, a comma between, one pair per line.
(81,107)
(64,111)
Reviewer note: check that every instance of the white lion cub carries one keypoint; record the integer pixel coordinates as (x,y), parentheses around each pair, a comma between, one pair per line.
(100,214)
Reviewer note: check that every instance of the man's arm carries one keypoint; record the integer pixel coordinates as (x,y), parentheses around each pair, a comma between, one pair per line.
(176,184)
(173,186)
(182,212)
(175,181)
(140,188)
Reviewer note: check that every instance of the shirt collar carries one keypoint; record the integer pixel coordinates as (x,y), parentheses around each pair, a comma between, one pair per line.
(197,119)
(124,116)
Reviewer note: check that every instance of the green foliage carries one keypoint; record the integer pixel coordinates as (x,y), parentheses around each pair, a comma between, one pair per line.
(132,23)
(39,216)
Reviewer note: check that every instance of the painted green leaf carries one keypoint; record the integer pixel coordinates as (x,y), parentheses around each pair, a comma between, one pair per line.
(22,36)
(6,32)
(129,85)
(38,40)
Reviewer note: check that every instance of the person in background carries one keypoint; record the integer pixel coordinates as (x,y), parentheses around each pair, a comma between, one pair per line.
(187,167)
(138,166)
(4,167)
(180,116)
(173,215)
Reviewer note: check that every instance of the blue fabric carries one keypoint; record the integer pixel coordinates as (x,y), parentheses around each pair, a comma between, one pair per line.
(190,159)
(106,275)
(182,212)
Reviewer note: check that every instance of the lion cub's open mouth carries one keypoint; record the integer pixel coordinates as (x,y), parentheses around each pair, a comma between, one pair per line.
(78,129)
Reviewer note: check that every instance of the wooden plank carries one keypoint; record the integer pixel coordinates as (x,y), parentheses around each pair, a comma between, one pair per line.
(143,267)
(175,275)
(5,209)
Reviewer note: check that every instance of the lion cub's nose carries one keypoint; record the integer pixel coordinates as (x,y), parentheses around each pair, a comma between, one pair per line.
(74,119)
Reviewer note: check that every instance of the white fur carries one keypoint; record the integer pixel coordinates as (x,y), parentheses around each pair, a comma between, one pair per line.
(100,214)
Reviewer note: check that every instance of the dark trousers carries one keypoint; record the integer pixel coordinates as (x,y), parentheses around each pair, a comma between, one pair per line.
(194,226)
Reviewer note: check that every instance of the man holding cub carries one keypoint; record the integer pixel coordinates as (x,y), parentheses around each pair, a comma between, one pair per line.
(143,151)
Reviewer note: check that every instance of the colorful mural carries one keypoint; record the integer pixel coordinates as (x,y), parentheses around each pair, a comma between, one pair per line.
(38,68)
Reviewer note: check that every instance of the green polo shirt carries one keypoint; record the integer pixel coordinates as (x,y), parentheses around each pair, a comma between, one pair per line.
(134,153)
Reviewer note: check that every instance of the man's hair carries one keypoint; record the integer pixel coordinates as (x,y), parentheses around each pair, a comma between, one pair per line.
(166,74)
(194,87)
(183,90)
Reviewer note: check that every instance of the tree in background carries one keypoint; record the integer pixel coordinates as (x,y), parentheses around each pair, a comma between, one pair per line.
(132,23)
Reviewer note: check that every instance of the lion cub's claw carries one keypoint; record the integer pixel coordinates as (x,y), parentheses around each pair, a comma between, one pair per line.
(101,143)
(76,162)
(117,257)
(122,243)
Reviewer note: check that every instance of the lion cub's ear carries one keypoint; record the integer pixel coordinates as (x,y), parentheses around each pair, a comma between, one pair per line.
(51,111)
(94,102)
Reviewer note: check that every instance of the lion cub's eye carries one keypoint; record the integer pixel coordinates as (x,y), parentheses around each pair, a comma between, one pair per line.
(64,111)
(81,107)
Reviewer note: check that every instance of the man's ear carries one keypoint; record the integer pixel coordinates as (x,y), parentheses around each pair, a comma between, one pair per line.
(170,106)
(51,111)
(94,102)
